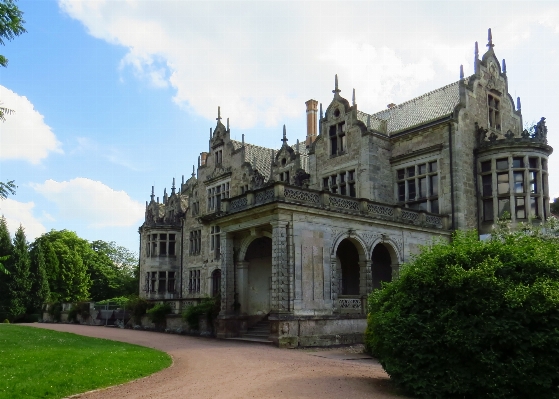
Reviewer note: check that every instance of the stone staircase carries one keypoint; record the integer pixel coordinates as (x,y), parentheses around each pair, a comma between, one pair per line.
(257,333)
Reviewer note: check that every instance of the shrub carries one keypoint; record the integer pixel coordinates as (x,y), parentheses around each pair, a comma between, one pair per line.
(121,301)
(138,307)
(208,307)
(81,309)
(472,319)
(6,321)
(157,314)
(55,310)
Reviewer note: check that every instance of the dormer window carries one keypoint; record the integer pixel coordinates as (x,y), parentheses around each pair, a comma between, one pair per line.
(218,157)
(338,141)
(493,104)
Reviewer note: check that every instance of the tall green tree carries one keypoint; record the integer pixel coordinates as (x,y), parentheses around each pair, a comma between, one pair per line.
(19,280)
(124,267)
(6,252)
(554,206)
(39,282)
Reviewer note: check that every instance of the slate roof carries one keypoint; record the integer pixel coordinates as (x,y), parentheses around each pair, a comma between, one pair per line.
(425,108)
(254,154)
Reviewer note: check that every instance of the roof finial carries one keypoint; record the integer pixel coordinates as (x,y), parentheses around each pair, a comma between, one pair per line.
(218,119)
(297,148)
(152,196)
(227,124)
(243,136)
(173,187)
(490,39)
(198,160)
(518,107)
(476,59)
(211,135)
(158,200)
(353,97)
(336,91)
(461,72)
(321,116)
(284,139)
(504,66)
(193,174)
(182,181)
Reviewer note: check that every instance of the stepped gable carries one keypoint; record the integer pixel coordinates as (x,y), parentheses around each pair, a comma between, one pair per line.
(304,154)
(425,108)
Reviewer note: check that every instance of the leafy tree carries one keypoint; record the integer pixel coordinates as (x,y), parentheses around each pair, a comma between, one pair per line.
(69,280)
(11,25)
(473,319)
(40,286)
(7,188)
(19,281)
(123,276)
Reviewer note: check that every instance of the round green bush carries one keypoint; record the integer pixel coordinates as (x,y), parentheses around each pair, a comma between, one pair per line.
(472,319)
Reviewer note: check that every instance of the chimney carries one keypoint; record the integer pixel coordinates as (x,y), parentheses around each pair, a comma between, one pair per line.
(312,109)
(203,158)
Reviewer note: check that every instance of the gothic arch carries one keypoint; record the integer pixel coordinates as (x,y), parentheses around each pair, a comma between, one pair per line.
(356,240)
(392,247)
(247,241)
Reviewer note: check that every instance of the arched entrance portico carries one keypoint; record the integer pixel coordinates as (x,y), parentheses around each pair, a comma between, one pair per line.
(258,261)
(381,266)
(348,259)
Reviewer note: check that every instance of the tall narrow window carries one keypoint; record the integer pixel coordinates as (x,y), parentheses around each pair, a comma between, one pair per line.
(171,245)
(162,282)
(518,182)
(333,141)
(494,112)
(215,241)
(503,183)
(171,282)
(487,182)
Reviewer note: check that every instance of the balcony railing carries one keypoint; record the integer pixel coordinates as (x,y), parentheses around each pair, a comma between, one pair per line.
(281,192)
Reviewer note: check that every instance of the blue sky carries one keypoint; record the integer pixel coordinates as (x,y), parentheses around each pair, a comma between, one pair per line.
(112,97)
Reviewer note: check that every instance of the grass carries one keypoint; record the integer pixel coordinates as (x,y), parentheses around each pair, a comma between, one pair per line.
(39,363)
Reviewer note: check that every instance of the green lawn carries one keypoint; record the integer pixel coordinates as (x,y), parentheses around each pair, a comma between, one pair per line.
(39,363)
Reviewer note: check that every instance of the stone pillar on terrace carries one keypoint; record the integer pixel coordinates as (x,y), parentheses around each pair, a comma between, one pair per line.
(281,290)
(227,275)
(242,285)
(336,275)
(365,277)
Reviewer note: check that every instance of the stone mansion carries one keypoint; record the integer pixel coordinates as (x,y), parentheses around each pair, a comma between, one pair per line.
(298,236)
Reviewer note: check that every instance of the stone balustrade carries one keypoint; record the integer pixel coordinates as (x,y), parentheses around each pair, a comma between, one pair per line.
(333,202)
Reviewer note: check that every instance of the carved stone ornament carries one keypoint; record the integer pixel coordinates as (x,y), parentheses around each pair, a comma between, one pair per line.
(301,178)
(481,132)
(509,135)
(256,180)
(218,172)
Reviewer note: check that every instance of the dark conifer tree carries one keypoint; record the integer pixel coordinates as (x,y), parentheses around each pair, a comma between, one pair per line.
(19,279)
(39,283)
(6,251)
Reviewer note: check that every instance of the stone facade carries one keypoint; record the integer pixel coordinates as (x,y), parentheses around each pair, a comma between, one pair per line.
(300,235)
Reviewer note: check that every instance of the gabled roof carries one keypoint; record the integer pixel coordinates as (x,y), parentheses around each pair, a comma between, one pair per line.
(259,157)
(425,108)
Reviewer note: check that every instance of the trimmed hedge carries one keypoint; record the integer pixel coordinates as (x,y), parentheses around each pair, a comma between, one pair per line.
(472,319)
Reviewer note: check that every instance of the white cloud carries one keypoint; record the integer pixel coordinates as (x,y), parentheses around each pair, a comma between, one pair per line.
(92,202)
(17,213)
(24,134)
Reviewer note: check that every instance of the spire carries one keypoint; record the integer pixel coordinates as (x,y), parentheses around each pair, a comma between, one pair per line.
(211,135)
(243,138)
(227,124)
(182,182)
(218,119)
(490,39)
(476,59)
(152,196)
(353,98)
(297,148)
(504,66)
(518,107)
(173,187)
(336,91)
(193,173)
(321,116)
(198,163)
(461,72)
(165,195)
(284,139)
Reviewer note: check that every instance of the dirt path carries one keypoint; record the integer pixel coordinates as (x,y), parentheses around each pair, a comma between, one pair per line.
(209,368)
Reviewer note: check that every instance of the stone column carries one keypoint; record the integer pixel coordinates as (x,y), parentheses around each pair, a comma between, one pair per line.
(242,285)
(227,275)
(365,277)
(280,268)
(336,275)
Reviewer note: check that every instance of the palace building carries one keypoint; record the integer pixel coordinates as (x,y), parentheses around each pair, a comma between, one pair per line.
(293,239)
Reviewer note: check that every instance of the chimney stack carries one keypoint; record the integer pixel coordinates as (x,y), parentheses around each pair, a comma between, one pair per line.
(312,109)
(203,158)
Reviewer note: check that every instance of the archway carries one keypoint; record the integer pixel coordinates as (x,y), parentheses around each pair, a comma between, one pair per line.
(381,266)
(348,257)
(216,282)
(259,263)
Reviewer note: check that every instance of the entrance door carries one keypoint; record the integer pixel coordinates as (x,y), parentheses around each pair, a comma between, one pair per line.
(259,259)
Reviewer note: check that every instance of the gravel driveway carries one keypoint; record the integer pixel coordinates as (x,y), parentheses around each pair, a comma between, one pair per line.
(210,368)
